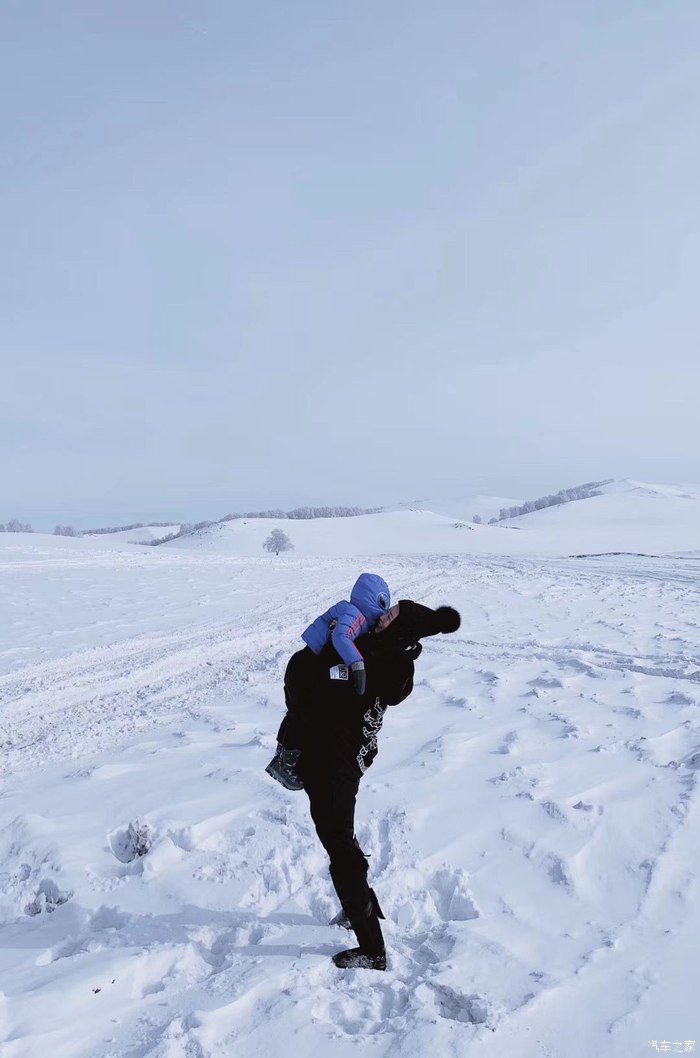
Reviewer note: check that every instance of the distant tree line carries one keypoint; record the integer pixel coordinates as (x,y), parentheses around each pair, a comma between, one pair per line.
(579,492)
(184,530)
(305,513)
(13,526)
(190,528)
(125,528)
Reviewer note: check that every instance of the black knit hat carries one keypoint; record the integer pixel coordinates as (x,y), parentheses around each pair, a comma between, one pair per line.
(416,621)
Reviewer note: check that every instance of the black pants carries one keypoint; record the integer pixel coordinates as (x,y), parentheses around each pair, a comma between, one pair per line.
(332,795)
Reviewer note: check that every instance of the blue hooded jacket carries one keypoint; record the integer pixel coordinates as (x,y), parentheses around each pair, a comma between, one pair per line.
(344,622)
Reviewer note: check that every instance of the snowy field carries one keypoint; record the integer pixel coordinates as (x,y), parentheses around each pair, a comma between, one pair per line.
(532,817)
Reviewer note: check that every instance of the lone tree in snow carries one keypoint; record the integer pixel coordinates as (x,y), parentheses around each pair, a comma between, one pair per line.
(477,519)
(278,541)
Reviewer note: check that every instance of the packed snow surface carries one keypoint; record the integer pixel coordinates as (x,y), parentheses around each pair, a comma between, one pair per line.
(532,818)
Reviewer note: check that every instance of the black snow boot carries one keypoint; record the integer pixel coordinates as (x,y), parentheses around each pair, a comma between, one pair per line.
(371,953)
(283,768)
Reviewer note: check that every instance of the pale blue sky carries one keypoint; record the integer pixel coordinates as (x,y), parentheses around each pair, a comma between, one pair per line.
(273,253)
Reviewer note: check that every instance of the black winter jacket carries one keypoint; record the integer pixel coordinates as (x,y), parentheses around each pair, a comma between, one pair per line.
(339,728)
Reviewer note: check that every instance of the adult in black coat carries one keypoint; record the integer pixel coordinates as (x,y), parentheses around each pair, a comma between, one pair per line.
(337,733)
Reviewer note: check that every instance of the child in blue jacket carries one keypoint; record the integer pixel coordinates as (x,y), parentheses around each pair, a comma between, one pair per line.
(340,625)
(344,622)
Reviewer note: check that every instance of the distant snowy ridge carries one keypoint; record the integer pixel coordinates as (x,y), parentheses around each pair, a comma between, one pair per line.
(618,516)
(113,530)
(465,507)
(625,516)
(578,492)
(145,534)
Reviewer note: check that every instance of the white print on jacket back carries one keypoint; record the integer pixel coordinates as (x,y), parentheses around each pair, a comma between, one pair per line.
(372,722)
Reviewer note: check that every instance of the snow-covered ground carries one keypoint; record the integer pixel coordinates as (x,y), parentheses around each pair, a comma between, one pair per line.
(533,816)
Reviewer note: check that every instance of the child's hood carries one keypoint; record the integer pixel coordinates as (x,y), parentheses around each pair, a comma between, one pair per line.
(370,594)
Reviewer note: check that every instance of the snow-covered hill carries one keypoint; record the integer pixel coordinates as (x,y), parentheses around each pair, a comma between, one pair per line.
(461,507)
(144,534)
(628,516)
(390,532)
(634,515)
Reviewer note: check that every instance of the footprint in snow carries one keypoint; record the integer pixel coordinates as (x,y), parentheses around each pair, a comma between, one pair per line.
(385,841)
(454,1005)
(691,761)
(30,886)
(449,888)
(679,698)
(427,909)
(558,871)
(509,743)
(519,778)
(131,842)
(585,806)
(47,898)
(374,1011)
(555,811)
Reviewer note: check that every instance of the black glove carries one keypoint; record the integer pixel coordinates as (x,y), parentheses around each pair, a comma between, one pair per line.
(359,677)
